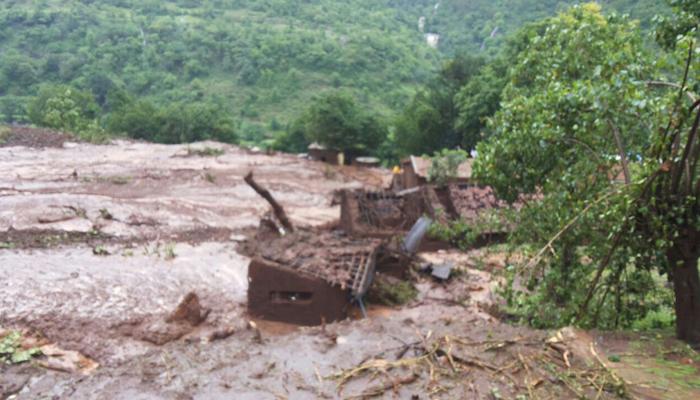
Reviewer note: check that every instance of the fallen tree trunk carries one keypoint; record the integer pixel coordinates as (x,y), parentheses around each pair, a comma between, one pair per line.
(276,207)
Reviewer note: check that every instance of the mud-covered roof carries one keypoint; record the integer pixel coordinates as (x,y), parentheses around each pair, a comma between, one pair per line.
(330,255)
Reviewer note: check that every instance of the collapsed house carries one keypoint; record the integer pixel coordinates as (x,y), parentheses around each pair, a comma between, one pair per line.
(384,214)
(389,215)
(309,278)
(415,171)
(321,153)
(313,276)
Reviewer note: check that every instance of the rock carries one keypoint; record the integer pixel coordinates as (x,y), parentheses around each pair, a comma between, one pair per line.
(189,310)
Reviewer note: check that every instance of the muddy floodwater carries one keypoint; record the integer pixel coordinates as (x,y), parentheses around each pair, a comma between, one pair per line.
(100,243)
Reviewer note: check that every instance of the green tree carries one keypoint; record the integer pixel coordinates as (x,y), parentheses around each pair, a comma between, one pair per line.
(665,220)
(444,165)
(336,121)
(65,108)
(577,115)
(429,123)
(139,119)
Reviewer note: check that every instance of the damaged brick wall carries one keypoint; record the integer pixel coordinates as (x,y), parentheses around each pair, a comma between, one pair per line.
(279,294)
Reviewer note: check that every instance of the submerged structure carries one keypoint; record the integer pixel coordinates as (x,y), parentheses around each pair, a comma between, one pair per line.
(309,278)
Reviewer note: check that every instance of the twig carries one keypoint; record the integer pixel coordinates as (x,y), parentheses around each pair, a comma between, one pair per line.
(530,392)
(621,150)
(691,95)
(534,261)
(391,385)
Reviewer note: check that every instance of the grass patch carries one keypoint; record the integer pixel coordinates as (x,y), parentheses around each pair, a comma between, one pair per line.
(5,132)
(391,291)
(169,251)
(115,180)
(12,352)
(209,178)
(205,152)
(686,376)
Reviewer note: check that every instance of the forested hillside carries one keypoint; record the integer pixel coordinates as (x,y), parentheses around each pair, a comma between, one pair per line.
(252,65)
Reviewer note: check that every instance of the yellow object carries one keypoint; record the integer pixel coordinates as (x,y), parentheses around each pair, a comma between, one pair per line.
(396,170)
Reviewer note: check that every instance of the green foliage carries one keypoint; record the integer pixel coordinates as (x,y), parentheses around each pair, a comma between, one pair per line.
(63,107)
(205,152)
(466,234)
(428,124)
(684,20)
(11,351)
(663,318)
(293,139)
(4,133)
(391,291)
(68,109)
(176,123)
(575,103)
(459,232)
(336,121)
(570,90)
(444,165)
(264,59)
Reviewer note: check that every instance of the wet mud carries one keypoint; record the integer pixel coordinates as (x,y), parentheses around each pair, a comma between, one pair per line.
(128,254)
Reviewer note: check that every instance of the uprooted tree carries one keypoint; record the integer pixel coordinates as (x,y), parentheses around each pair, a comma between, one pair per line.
(590,123)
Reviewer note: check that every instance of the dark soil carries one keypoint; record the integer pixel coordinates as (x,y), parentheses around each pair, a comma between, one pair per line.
(46,239)
(33,137)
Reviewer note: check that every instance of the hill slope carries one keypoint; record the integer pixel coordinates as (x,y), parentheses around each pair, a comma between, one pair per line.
(262,60)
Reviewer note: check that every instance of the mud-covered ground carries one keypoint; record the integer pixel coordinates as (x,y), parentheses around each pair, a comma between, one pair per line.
(99,243)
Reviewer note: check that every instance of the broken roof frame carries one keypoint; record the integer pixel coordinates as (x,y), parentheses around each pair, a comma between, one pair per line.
(358,261)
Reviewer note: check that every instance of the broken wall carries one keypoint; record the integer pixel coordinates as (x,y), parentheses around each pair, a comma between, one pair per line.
(280,294)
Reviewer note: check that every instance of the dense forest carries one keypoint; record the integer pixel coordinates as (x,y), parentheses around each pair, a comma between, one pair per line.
(184,70)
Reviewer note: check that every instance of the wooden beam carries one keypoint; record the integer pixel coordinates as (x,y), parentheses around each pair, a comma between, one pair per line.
(276,207)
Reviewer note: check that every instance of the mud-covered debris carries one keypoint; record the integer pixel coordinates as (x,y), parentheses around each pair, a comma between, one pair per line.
(159,332)
(220,334)
(189,310)
(14,378)
(261,374)
(66,361)
(105,214)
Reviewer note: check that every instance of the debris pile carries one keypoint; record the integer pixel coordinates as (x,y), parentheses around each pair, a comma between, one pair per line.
(385,214)
(467,201)
(309,277)
(566,365)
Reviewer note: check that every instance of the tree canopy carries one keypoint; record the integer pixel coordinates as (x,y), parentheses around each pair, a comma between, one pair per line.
(590,123)
(336,121)
(258,62)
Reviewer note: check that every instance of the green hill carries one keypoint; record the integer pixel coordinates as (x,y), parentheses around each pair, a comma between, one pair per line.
(261,61)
